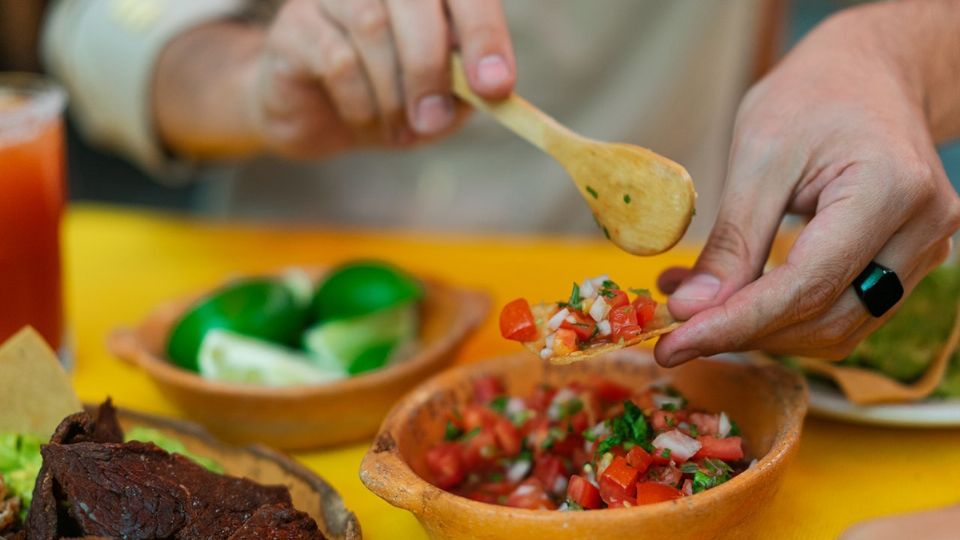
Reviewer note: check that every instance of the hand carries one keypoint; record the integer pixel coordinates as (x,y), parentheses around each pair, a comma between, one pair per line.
(338,73)
(836,134)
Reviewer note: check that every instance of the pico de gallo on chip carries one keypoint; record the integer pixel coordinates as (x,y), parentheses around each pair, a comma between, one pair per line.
(598,317)
(583,446)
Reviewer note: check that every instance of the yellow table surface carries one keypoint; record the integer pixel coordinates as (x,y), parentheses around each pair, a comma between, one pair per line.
(120,263)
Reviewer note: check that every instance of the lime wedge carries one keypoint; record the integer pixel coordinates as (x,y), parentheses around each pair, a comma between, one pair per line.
(365,343)
(262,308)
(362,288)
(231,357)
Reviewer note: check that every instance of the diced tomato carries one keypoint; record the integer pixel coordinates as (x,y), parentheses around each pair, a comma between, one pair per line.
(728,449)
(627,333)
(609,391)
(541,398)
(531,495)
(486,388)
(618,299)
(517,322)
(446,464)
(508,437)
(579,422)
(618,481)
(583,493)
(548,469)
(653,492)
(639,459)
(622,316)
(585,327)
(477,416)
(480,450)
(707,424)
(564,342)
(646,309)
(663,420)
(658,457)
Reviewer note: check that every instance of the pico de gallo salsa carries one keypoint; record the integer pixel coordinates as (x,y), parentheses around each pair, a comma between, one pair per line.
(598,315)
(583,446)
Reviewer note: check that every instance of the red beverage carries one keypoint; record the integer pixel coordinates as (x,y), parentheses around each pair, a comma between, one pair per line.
(31,203)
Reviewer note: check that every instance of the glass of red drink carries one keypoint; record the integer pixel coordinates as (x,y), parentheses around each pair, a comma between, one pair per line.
(32,186)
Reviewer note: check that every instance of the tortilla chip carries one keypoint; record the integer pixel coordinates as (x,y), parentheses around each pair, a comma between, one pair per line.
(663,323)
(867,387)
(35,392)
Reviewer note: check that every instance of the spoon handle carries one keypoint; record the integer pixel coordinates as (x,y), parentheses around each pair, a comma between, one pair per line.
(513,112)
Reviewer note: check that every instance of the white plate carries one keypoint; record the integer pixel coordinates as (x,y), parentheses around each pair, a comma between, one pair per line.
(828,401)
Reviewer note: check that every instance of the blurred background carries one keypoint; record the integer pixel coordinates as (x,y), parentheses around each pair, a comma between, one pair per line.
(95,175)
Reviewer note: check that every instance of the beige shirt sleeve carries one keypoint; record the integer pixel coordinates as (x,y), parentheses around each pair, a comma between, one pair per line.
(104,53)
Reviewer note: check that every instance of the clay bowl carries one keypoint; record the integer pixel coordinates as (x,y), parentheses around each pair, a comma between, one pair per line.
(310,493)
(301,417)
(768,402)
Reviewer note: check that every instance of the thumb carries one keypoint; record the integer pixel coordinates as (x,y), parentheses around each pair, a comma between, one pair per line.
(734,254)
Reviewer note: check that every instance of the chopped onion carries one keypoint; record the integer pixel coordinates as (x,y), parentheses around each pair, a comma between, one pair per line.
(546,353)
(600,429)
(524,489)
(605,461)
(518,471)
(587,290)
(681,446)
(724,427)
(560,485)
(687,487)
(604,328)
(548,341)
(564,507)
(752,464)
(571,319)
(599,309)
(514,406)
(598,281)
(558,318)
(662,399)
(556,404)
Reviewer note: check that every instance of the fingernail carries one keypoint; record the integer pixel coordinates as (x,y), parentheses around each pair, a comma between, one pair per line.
(492,70)
(434,114)
(699,288)
(680,357)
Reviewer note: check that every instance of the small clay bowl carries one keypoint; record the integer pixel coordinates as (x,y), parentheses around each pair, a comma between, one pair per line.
(309,492)
(305,416)
(768,402)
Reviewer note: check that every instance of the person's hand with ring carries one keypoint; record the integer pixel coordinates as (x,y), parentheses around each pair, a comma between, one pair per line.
(842,131)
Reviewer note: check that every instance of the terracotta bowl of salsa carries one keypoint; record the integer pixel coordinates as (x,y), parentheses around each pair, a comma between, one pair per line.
(303,416)
(764,404)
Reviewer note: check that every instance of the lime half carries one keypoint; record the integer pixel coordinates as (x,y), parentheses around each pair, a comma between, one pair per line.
(361,344)
(262,308)
(226,356)
(362,288)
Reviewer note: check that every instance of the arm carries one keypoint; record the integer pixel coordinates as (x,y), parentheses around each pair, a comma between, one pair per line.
(326,76)
(843,132)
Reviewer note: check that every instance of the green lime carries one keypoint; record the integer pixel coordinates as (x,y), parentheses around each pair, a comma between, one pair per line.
(361,288)
(363,343)
(262,308)
(226,356)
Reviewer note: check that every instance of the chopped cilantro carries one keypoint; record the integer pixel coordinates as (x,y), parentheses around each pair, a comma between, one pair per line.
(694,431)
(606,232)
(665,454)
(630,427)
(592,191)
(496,477)
(610,284)
(689,468)
(576,302)
(640,292)
(571,407)
(607,293)
(452,432)
(671,407)
(553,435)
(573,507)
(470,434)
(499,404)
(734,429)
(703,481)
(626,198)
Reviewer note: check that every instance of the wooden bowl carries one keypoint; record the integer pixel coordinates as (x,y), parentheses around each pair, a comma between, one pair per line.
(768,402)
(300,417)
(309,492)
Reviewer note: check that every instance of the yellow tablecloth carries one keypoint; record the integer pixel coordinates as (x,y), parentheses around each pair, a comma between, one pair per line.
(120,263)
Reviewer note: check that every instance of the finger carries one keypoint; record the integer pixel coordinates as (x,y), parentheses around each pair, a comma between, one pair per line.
(848,321)
(421,36)
(827,256)
(331,58)
(751,208)
(367,24)
(485,44)
(670,279)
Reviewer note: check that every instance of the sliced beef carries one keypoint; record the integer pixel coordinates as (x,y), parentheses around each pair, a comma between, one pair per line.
(106,427)
(82,427)
(278,522)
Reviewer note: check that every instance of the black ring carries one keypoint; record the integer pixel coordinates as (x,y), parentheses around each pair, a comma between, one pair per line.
(879,288)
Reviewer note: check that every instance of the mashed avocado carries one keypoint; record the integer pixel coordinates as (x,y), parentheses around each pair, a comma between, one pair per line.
(909,341)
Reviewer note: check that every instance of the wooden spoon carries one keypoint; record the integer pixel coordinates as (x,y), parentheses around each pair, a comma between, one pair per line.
(864,386)
(641,200)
